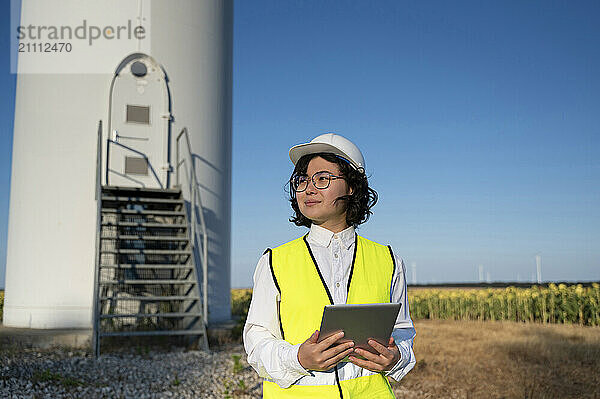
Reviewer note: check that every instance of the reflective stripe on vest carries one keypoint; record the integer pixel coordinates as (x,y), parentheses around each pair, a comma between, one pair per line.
(304,294)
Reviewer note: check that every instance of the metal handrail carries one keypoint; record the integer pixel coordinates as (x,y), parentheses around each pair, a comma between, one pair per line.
(195,202)
(98,197)
(109,142)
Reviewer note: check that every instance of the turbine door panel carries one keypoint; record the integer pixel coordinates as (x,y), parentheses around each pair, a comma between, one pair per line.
(139,126)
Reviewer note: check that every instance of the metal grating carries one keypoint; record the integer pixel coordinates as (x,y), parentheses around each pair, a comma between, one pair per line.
(138,114)
(136,166)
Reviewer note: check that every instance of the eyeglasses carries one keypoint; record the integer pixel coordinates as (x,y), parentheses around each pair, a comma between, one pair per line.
(320,180)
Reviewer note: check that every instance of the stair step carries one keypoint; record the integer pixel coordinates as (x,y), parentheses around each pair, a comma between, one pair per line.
(138,315)
(142,224)
(111,198)
(150,333)
(147,266)
(147,251)
(151,298)
(146,282)
(146,238)
(141,191)
(143,212)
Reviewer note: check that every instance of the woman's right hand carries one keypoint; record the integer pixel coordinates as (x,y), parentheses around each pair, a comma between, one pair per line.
(322,356)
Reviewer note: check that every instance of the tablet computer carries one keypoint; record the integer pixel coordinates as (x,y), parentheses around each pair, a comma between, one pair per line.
(360,323)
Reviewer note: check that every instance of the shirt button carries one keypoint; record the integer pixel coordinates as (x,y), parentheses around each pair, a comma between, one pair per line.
(335,256)
(337,284)
(335,236)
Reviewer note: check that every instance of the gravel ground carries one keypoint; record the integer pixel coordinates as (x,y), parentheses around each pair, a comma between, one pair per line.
(140,373)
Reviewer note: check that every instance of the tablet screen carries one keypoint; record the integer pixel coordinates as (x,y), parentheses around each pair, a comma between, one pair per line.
(360,323)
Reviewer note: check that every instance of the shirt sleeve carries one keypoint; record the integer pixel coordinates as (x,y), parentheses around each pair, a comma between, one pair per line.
(272,357)
(404,330)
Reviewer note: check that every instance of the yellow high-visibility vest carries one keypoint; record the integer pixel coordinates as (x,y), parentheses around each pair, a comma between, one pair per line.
(303,295)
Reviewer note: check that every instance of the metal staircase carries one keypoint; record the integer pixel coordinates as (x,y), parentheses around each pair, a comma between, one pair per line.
(147,252)
(147,273)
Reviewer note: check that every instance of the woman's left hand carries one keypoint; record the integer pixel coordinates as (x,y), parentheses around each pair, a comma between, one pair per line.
(387,358)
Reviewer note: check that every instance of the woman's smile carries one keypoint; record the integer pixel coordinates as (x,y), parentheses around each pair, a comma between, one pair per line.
(311,202)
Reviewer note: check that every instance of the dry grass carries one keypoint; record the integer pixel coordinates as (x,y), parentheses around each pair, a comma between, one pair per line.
(469,359)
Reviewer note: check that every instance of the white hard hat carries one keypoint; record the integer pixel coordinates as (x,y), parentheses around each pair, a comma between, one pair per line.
(332,143)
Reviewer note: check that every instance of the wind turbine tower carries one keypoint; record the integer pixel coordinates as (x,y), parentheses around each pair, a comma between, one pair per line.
(120,198)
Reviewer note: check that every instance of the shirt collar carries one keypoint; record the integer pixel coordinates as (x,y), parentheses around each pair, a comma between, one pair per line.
(323,237)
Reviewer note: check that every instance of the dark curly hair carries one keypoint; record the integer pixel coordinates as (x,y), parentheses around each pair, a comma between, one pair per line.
(358,204)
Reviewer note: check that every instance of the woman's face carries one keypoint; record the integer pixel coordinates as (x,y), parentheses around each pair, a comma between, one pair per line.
(319,205)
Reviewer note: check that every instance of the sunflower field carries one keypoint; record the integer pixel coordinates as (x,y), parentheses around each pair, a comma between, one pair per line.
(566,304)
(555,304)
(240,303)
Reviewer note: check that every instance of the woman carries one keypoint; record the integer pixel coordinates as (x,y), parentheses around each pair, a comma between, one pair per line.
(329,194)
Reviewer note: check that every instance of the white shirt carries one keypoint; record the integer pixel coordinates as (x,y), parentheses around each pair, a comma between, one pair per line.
(277,360)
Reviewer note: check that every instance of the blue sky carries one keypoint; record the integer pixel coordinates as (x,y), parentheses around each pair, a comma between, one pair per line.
(479,124)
